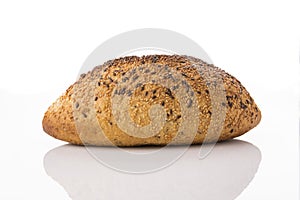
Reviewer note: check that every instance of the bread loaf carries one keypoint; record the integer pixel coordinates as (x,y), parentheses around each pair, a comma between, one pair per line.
(152,100)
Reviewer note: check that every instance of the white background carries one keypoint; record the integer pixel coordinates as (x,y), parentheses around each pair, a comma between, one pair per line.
(43,45)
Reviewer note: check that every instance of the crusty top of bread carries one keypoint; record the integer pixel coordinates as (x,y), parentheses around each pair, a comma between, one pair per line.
(85,114)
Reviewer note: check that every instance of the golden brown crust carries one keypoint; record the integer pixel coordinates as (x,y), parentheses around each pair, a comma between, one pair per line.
(242,114)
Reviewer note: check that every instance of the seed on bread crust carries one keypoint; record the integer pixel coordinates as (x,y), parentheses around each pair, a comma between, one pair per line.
(242,114)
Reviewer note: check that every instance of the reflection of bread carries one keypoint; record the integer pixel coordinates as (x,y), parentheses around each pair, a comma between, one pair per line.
(72,114)
(82,177)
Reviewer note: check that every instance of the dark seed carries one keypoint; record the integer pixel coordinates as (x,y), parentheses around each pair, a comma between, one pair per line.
(133,71)
(169,92)
(129,93)
(207,92)
(135,77)
(99,83)
(122,91)
(189,103)
(84,115)
(163,103)
(169,76)
(146,94)
(82,75)
(154,59)
(183,74)
(171,111)
(141,69)
(142,88)
(96,98)
(228,97)
(243,106)
(199,92)
(124,79)
(175,87)
(110,79)
(209,112)
(143,62)
(110,123)
(154,91)
(223,104)
(230,104)
(154,97)
(231,131)
(138,85)
(76,105)
(178,116)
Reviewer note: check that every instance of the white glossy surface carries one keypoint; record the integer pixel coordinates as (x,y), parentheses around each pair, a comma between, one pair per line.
(224,174)
(42,46)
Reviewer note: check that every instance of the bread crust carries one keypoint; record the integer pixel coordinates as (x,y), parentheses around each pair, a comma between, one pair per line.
(242,114)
